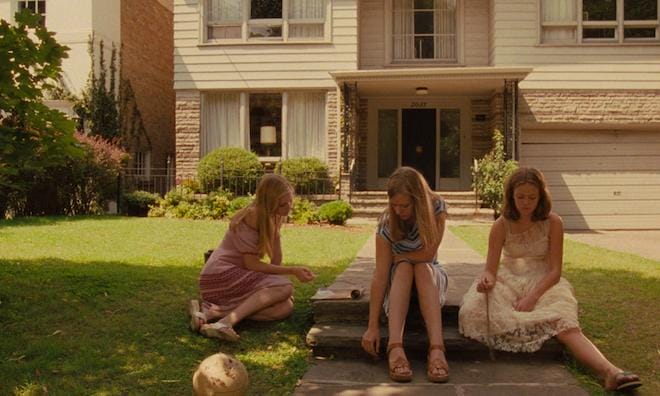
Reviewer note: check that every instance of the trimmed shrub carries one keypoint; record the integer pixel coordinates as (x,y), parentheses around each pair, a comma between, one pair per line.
(489,173)
(304,212)
(237,204)
(308,175)
(231,168)
(336,212)
(137,203)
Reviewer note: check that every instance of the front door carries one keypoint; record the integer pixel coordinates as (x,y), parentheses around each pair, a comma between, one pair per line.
(418,144)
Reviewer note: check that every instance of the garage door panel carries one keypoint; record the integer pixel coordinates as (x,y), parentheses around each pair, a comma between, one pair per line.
(550,136)
(562,178)
(591,149)
(611,222)
(599,179)
(639,163)
(588,208)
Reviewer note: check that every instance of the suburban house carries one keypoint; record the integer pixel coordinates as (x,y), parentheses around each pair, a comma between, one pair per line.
(145,62)
(369,85)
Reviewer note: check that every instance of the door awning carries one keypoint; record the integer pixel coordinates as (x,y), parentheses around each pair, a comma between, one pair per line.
(446,81)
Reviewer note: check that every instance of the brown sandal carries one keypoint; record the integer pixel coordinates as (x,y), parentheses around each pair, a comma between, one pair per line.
(436,365)
(400,368)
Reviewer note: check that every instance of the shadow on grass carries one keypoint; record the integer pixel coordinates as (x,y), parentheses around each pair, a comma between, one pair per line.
(53,220)
(113,328)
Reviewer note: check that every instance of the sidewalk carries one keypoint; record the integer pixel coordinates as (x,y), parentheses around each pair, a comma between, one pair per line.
(356,374)
(644,243)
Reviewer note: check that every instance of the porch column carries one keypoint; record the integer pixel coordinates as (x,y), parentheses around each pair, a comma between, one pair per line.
(348,130)
(510,119)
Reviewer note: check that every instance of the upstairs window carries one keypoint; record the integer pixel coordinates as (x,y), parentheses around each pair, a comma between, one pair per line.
(266,20)
(36,6)
(599,21)
(424,30)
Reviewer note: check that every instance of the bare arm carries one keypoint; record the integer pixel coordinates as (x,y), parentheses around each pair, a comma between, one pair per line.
(379,283)
(495,244)
(277,246)
(427,253)
(556,253)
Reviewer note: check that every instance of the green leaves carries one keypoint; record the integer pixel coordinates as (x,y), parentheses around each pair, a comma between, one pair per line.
(489,173)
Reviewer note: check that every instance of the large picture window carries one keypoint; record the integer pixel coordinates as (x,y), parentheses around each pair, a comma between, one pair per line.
(424,30)
(36,6)
(593,21)
(266,20)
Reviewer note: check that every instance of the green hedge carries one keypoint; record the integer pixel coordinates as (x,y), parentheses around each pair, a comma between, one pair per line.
(231,168)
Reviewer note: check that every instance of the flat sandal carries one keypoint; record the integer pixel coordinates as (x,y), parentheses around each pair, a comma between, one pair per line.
(437,363)
(404,374)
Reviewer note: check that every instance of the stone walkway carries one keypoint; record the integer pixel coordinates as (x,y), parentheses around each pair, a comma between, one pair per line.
(341,368)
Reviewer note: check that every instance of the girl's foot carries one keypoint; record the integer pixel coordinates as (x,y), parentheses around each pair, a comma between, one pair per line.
(197,317)
(622,380)
(399,366)
(437,369)
(219,330)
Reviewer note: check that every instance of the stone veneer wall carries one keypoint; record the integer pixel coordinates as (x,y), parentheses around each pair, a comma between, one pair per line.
(188,116)
(361,144)
(332,135)
(627,108)
(147,63)
(481,131)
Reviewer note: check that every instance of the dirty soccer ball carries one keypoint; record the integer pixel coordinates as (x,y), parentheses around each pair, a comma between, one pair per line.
(220,375)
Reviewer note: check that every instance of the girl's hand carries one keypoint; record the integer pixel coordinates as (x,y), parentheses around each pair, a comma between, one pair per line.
(303,274)
(525,304)
(486,282)
(371,341)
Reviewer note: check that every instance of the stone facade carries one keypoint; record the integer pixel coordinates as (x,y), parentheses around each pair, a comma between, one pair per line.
(583,108)
(147,65)
(332,127)
(188,128)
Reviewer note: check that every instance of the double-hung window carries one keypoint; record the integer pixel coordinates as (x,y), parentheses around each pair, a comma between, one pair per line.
(266,20)
(36,6)
(599,21)
(423,31)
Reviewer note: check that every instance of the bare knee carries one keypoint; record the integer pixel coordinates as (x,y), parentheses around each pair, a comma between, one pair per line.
(283,309)
(283,292)
(567,335)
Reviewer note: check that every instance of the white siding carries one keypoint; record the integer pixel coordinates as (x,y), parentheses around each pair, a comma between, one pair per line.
(261,66)
(514,38)
(599,179)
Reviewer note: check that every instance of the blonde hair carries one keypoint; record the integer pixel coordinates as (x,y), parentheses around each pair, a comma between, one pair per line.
(406,180)
(271,188)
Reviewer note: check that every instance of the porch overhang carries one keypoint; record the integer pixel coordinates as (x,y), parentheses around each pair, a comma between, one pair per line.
(445,81)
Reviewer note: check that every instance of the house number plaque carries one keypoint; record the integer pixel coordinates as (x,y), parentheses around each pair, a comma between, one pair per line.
(418,104)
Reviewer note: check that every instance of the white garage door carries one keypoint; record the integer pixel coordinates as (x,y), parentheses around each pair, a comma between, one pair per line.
(599,179)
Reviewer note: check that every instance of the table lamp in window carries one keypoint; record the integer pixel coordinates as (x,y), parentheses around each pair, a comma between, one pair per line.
(268,137)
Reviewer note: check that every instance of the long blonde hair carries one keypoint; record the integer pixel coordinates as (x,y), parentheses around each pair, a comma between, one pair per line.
(271,188)
(408,181)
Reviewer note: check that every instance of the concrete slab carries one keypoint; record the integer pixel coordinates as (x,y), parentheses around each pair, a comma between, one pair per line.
(363,377)
(644,243)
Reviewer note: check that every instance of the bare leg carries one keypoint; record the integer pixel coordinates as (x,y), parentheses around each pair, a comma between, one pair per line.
(399,302)
(588,354)
(429,305)
(262,299)
(278,311)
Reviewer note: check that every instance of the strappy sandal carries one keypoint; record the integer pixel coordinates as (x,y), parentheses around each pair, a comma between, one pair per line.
(436,365)
(623,381)
(400,368)
(197,317)
(219,330)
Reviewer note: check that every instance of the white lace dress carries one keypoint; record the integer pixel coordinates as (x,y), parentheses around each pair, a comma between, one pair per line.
(523,264)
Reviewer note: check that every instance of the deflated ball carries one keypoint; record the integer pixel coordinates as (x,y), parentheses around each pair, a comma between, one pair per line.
(220,375)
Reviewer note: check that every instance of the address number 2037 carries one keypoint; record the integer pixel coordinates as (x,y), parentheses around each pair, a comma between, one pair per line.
(418,104)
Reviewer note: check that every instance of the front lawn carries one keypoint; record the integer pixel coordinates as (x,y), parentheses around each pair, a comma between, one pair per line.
(97,305)
(618,294)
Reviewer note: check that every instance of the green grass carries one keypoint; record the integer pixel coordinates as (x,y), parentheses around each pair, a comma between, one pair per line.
(618,296)
(97,305)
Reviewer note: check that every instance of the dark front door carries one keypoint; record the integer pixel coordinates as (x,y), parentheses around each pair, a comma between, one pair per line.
(418,142)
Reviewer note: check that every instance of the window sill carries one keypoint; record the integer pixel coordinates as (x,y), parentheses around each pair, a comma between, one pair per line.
(608,44)
(262,42)
(423,64)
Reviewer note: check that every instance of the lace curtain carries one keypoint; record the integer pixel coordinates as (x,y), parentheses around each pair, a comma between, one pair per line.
(220,121)
(306,10)
(559,11)
(305,134)
(224,10)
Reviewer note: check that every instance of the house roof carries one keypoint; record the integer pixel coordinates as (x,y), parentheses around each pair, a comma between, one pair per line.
(438,80)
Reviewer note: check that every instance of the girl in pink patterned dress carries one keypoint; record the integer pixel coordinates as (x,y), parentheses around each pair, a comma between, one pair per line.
(529,301)
(235,282)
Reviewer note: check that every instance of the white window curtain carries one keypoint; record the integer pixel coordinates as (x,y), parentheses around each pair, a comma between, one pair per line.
(305,133)
(402,29)
(558,11)
(307,11)
(224,10)
(445,27)
(220,121)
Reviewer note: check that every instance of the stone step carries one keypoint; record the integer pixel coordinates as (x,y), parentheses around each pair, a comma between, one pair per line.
(342,340)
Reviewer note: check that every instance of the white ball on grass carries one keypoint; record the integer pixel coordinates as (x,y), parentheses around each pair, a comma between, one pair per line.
(220,375)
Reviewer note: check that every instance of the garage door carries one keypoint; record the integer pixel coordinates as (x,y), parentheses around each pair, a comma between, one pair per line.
(599,179)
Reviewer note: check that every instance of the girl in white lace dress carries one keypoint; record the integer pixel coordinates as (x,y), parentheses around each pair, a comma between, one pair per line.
(529,301)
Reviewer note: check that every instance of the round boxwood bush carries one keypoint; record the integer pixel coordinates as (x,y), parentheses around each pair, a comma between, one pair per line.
(231,168)
(137,202)
(308,175)
(336,212)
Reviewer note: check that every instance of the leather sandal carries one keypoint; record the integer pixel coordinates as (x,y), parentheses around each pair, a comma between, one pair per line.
(219,330)
(400,368)
(197,317)
(437,369)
